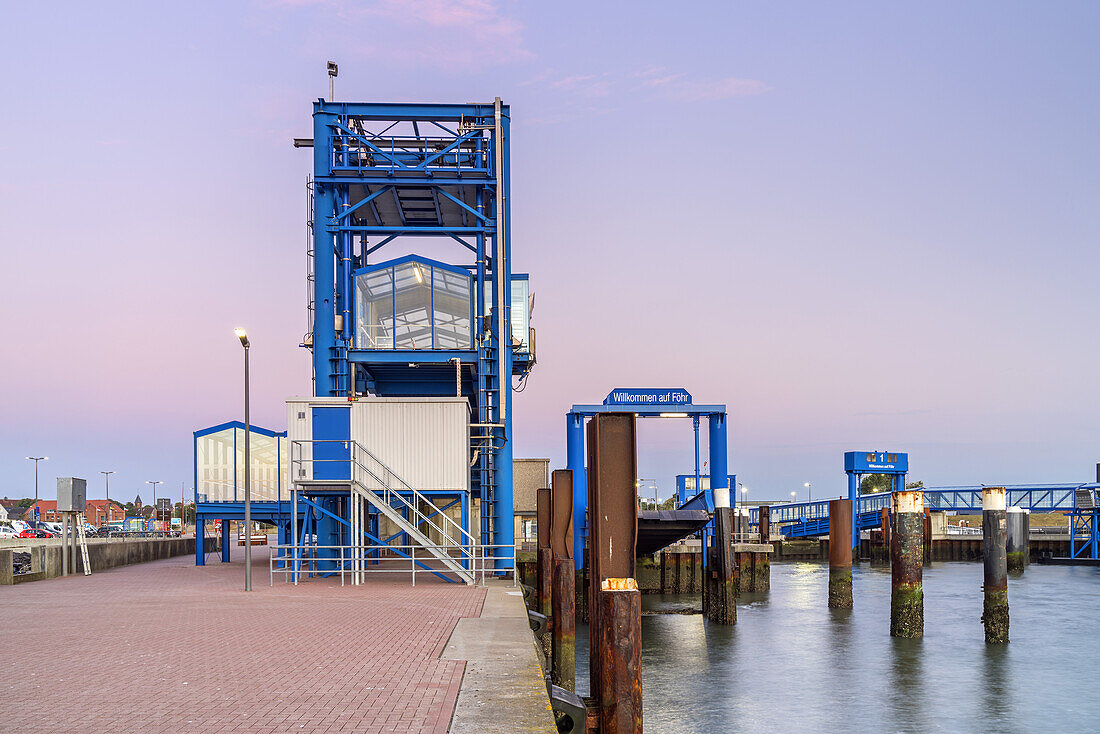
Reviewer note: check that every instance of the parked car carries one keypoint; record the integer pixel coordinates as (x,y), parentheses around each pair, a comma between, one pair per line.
(7,532)
(29,533)
(44,533)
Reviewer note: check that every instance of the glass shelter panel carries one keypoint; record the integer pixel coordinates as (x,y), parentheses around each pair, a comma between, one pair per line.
(375,318)
(414,305)
(265,467)
(451,309)
(219,466)
(412,299)
(521,315)
(215,466)
(519,304)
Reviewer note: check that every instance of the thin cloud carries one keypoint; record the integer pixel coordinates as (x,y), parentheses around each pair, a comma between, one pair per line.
(591,85)
(718,89)
(452,34)
(654,80)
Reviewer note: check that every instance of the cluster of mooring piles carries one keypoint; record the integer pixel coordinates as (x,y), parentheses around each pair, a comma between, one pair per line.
(905,532)
(605,589)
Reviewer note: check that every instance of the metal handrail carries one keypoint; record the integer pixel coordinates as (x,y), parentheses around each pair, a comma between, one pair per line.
(466,556)
(294,560)
(388,492)
(417,494)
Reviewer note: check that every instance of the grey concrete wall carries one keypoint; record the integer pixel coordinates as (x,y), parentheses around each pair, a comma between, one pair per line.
(46,559)
(528,477)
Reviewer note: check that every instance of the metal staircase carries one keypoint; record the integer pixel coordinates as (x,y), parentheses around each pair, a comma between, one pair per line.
(371,482)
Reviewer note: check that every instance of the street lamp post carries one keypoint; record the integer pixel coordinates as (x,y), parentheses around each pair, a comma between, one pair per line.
(36,459)
(744,491)
(107,508)
(809,492)
(154,483)
(794,496)
(243,336)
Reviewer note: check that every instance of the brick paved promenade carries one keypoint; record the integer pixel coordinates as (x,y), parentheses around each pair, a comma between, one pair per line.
(166,646)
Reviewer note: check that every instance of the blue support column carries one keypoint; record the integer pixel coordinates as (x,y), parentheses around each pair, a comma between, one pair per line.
(225,541)
(698,476)
(200,541)
(324,259)
(574,440)
(503,506)
(719,474)
(504,511)
(464,498)
(853,495)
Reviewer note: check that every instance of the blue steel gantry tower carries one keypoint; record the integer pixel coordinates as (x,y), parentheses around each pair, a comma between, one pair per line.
(409,325)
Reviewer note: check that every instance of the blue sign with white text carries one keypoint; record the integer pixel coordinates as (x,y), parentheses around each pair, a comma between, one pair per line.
(648,396)
(876,462)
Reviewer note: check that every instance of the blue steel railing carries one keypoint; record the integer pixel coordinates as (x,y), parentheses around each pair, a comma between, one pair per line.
(467,153)
(1035,497)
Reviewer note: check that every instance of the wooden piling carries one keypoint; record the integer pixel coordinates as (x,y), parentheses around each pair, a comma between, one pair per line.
(994,530)
(840,554)
(906,564)
(880,552)
(720,603)
(1017,540)
(927,534)
(763,525)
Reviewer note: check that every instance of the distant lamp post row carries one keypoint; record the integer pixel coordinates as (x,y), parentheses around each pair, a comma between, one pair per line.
(36,459)
(107,479)
(154,483)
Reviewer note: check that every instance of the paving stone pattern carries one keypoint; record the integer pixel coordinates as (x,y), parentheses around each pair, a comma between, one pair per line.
(166,646)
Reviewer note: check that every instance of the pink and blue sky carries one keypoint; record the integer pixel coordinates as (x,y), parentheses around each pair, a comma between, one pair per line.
(859,225)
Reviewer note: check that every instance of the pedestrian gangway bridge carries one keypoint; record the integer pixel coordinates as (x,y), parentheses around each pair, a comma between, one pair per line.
(811,519)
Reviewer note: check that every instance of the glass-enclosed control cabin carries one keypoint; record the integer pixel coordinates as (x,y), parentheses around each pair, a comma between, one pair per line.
(417,303)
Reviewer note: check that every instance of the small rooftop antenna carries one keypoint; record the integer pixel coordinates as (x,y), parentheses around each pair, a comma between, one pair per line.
(333,71)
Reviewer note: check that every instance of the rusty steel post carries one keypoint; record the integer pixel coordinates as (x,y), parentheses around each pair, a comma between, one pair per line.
(1017,542)
(619,688)
(544,558)
(763,524)
(612,542)
(840,554)
(906,564)
(563,641)
(720,602)
(994,528)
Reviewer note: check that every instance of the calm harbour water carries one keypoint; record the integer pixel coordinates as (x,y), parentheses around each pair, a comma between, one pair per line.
(793,665)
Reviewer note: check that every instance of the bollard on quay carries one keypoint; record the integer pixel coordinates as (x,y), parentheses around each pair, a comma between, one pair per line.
(994,530)
(906,564)
(840,554)
(1017,540)
(563,641)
